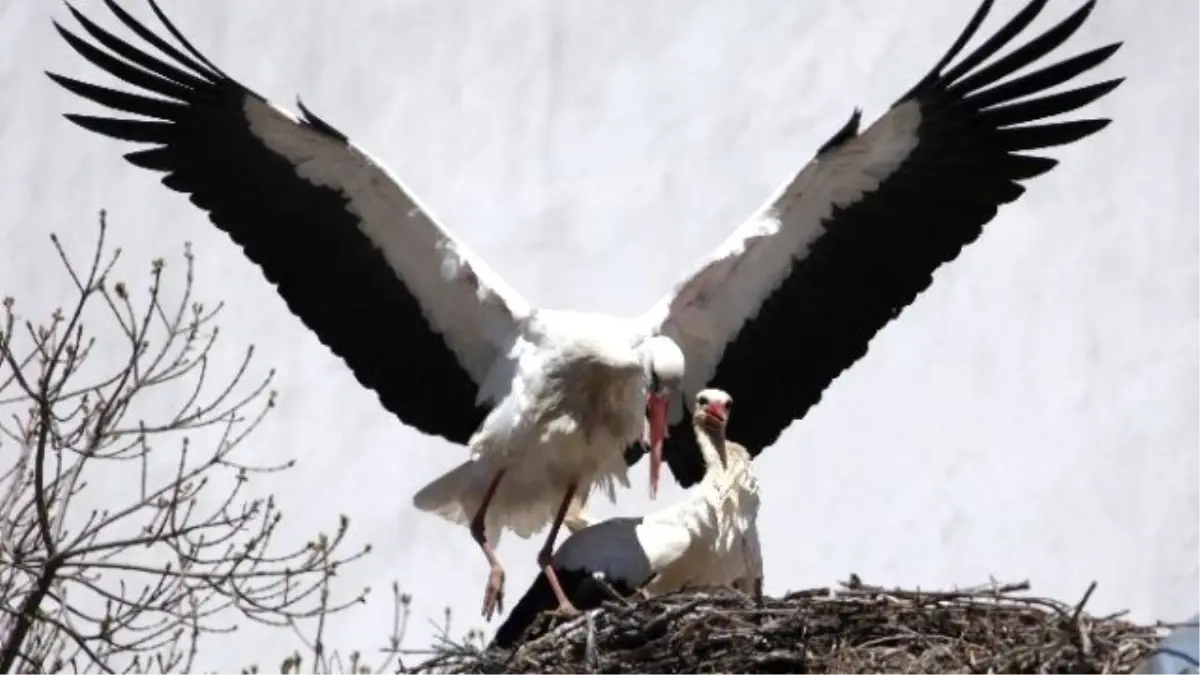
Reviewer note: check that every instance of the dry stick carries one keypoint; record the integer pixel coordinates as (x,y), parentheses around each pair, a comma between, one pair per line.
(557,632)
(1082,640)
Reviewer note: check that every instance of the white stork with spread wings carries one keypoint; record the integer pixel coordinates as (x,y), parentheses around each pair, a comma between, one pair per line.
(546,400)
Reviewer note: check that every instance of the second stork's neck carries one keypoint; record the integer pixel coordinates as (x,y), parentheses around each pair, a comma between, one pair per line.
(712,446)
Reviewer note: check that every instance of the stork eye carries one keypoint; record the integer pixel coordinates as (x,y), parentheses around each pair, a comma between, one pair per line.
(703,400)
(728,405)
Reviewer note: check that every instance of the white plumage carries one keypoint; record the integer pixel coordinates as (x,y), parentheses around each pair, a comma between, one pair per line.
(720,520)
(566,425)
(548,400)
(710,538)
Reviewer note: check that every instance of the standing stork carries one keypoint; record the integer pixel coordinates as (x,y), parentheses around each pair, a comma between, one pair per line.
(545,399)
(708,539)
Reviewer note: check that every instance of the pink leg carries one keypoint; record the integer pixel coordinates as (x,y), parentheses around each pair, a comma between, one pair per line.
(493,594)
(546,555)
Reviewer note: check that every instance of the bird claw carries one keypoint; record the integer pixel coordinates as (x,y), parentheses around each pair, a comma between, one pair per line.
(493,594)
(566,611)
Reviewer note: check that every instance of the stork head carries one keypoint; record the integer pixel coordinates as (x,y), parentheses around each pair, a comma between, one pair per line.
(664,364)
(712,409)
(708,418)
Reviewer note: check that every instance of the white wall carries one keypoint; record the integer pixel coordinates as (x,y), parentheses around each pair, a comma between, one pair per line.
(1033,415)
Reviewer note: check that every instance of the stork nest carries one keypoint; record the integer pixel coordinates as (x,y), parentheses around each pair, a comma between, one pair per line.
(854,629)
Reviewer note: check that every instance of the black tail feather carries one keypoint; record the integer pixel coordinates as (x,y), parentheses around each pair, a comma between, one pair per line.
(581,588)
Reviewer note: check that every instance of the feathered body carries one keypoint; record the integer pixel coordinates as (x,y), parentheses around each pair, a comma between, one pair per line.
(721,525)
(717,524)
(577,402)
(710,538)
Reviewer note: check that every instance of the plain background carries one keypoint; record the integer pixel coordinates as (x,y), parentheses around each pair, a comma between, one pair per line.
(1033,415)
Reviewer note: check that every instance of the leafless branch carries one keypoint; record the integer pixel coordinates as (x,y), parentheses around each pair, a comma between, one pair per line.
(119,402)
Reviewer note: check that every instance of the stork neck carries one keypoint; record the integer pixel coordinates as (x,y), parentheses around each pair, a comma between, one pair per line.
(712,445)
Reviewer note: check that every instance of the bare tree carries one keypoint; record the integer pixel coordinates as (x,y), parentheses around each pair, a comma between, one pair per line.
(110,402)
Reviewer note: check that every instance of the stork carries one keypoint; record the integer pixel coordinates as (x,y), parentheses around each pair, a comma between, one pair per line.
(547,400)
(708,539)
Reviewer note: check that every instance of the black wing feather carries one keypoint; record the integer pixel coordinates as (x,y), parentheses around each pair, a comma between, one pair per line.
(878,254)
(202,142)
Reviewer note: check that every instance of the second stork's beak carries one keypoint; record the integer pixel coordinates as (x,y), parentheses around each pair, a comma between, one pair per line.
(716,411)
(656,408)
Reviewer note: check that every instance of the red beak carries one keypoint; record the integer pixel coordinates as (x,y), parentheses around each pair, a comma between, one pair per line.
(657,410)
(716,410)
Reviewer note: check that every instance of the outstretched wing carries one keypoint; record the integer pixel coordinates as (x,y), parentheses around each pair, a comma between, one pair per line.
(796,294)
(413,313)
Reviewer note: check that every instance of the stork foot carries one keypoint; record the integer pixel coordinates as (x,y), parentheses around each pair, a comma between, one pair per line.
(493,594)
(565,611)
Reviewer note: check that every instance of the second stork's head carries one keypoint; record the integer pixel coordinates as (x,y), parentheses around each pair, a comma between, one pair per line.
(711,414)
(664,366)
(712,409)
